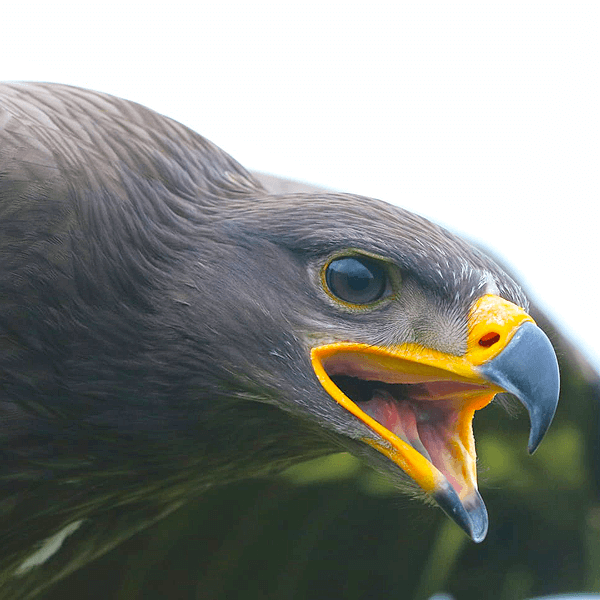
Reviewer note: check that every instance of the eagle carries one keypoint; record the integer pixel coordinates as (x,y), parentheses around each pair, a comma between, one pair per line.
(168,325)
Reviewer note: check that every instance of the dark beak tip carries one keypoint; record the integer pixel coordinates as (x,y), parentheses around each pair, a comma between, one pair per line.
(477,511)
(470,515)
(479,536)
(536,435)
(527,367)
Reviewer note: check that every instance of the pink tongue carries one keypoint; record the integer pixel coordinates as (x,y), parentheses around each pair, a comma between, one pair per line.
(426,429)
(398,417)
(441,454)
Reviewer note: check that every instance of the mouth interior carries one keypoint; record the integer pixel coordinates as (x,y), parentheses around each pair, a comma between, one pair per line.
(425,411)
(404,409)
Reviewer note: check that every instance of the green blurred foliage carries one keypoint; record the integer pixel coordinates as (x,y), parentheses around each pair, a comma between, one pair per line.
(332,528)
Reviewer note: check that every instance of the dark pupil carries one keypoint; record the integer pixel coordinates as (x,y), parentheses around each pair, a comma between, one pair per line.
(356,280)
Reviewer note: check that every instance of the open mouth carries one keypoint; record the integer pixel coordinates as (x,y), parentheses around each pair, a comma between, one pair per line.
(423,415)
(418,403)
(414,406)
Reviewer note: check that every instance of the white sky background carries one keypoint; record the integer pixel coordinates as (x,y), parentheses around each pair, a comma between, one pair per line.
(483,116)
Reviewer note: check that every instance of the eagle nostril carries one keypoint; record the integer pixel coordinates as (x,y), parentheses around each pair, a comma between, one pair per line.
(489,339)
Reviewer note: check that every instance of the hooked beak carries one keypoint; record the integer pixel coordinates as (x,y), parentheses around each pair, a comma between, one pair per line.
(419,403)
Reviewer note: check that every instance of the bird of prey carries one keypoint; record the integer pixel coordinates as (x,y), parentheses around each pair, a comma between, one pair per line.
(166,325)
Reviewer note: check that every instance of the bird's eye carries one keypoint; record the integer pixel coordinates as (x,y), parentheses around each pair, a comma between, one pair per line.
(356,280)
